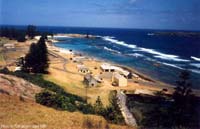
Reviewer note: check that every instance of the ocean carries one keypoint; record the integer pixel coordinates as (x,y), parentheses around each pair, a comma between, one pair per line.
(161,54)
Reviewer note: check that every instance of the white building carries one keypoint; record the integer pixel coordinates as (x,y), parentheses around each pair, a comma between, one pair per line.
(119,80)
(89,80)
(109,69)
(9,45)
(82,69)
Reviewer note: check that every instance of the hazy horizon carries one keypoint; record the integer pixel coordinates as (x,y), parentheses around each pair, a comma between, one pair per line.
(102,27)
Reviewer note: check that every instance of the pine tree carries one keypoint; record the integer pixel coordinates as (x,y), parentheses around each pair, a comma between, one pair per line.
(43,58)
(98,106)
(37,60)
(184,103)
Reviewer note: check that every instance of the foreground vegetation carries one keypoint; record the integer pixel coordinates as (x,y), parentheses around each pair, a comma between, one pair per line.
(179,110)
(14,112)
(54,96)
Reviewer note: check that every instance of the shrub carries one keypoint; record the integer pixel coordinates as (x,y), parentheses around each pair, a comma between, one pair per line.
(57,101)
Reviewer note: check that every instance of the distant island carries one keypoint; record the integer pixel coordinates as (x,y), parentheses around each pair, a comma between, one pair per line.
(178,33)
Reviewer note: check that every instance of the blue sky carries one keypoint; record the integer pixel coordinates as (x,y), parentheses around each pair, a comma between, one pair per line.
(153,14)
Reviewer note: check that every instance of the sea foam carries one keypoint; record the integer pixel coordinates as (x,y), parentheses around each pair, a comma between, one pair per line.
(195,71)
(197,65)
(195,58)
(109,49)
(122,43)
(146,50)
(135,55)
(171,58)
(172,65)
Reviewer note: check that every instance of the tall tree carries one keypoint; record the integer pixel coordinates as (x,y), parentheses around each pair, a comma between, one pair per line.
(37,60)
(184,102)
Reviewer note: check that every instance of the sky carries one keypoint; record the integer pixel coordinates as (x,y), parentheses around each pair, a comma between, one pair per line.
(145,14)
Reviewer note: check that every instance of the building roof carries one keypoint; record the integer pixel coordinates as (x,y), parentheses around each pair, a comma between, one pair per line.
(81,67)
(89,77)
(122,71)
(8,45)
(118,76)
(108,66)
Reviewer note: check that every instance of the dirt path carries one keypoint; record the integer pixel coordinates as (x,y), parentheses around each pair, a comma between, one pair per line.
(61,57)
(129,118)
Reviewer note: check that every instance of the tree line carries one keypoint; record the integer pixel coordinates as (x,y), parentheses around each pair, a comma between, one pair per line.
(19,34)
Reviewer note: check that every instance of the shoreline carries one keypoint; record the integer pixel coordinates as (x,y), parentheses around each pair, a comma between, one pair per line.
(147,80)
(145,77)
(150,82)
(74,35)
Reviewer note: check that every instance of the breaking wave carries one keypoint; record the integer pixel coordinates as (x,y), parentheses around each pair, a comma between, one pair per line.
(146,50)
(109,49)
(197,65)
(172,65)
(122,43)
(162,55)
(195,71)
(171,58)
(195,58)
(135,55)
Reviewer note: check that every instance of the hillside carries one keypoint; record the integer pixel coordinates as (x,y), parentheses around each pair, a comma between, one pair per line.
(14,86)
(18,109)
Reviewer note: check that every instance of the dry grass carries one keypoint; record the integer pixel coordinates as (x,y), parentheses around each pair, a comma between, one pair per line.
(76,87)
(2,61)
(15,112)
(1,57)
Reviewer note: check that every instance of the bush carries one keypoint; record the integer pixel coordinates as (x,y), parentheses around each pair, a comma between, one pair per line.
(57,101)
(112,112)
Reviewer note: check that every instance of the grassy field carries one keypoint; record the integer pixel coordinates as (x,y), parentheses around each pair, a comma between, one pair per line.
(79,89)
(20,112)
